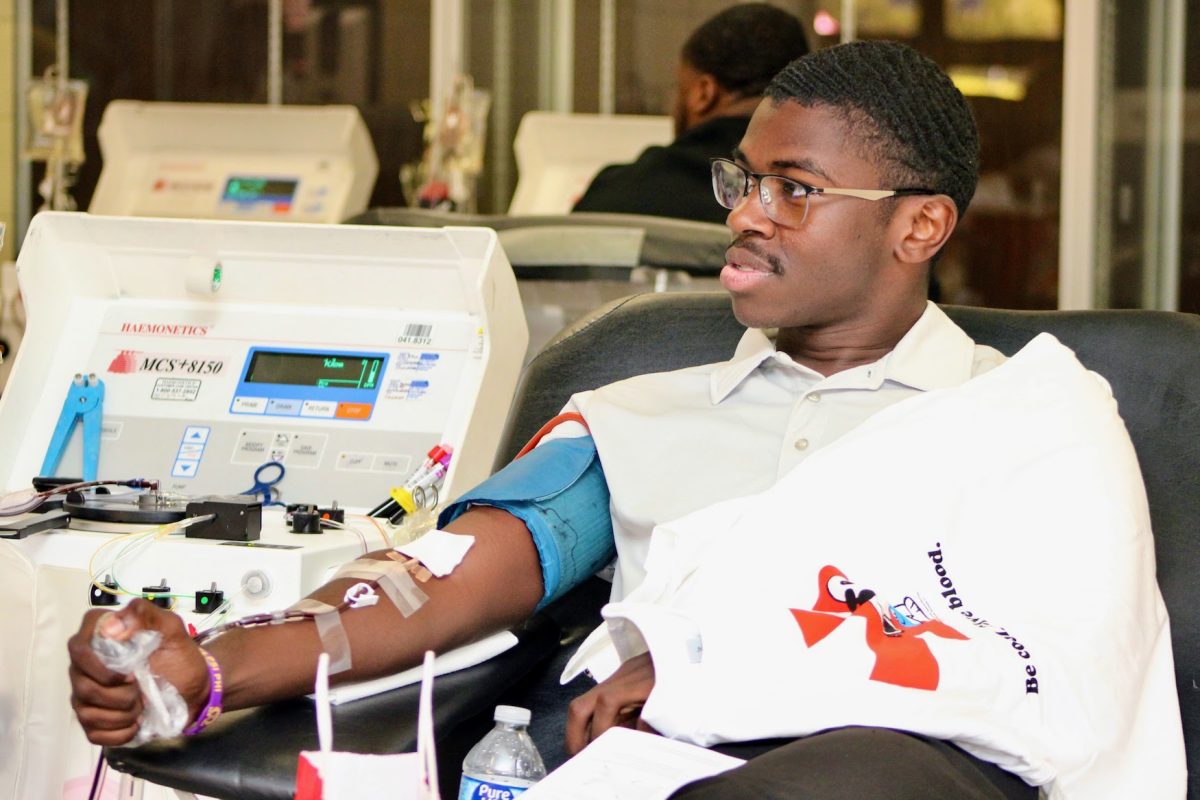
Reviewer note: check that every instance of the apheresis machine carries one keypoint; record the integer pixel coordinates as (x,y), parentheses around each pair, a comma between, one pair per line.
(268,385)
(225,161)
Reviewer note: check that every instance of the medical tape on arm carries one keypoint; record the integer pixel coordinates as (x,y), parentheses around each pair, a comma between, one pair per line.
(330,630)
(334,640)
(392,577)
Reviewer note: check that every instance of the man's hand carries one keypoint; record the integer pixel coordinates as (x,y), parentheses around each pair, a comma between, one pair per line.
(109,704)
(616,701)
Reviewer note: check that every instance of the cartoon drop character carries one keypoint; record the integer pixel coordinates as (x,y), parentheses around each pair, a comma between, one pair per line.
(893,634)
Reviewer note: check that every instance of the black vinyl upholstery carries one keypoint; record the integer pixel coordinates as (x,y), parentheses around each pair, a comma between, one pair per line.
(1151,359)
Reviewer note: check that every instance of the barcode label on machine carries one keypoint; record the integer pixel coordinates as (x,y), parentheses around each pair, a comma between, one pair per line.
(416,333)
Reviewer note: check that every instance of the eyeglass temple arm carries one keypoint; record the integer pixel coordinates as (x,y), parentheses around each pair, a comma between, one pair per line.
(872,194)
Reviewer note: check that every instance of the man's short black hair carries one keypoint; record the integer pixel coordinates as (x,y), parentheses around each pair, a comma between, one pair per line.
(904,110)
(743,47)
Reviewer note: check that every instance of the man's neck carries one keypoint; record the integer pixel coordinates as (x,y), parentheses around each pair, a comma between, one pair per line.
(729,107)
(829,349)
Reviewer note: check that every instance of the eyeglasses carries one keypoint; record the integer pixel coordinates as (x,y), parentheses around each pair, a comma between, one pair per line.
(785,200)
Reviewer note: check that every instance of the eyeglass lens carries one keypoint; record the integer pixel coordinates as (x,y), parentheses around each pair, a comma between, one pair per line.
(780,197)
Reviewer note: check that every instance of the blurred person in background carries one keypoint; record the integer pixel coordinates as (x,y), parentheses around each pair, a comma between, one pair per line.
(723,69)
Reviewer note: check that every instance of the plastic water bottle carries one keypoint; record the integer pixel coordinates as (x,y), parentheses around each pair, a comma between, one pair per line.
(504,763)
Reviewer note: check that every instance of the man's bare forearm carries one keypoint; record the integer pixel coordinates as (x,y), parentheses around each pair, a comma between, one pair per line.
(496,586)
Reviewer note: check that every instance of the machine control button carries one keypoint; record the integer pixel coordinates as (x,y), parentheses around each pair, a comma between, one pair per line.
(392,463)
(283,408)
(318,408)
(253,447)
(355,461)
(306,450)
(195,434)
(249,405)
(354,410)
(184,469)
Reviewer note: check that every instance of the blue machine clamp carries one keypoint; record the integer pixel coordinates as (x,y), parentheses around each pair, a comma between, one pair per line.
(85,401)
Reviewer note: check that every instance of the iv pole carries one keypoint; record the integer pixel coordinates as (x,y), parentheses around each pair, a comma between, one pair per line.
(57,119)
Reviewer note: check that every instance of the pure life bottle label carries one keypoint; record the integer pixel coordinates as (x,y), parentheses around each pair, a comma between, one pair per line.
(472,789)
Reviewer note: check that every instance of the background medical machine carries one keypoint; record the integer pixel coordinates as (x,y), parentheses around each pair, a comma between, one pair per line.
(558,154)
(214,161)
(310,364)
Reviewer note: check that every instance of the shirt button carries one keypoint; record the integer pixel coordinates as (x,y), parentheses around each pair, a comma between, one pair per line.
(801,444)
(815,397)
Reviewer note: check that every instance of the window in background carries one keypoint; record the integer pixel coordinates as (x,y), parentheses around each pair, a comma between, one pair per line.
(1189,243)
(503,55)
(997,20)
(1006,57)
(890,19)
(1148,242)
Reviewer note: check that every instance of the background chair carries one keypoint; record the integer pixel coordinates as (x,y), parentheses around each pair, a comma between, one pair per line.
(1152,360)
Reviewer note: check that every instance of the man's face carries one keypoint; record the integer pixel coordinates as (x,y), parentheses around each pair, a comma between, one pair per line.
(828,270)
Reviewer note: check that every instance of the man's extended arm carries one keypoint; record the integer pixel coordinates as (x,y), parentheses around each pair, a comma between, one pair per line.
(497,585)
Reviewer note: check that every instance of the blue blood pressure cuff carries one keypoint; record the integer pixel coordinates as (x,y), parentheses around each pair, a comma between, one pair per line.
(558,490)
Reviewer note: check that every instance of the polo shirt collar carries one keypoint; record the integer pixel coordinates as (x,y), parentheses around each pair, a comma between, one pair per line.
(934,354)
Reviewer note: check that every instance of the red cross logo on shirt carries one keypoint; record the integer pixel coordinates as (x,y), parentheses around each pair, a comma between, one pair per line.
(902,658)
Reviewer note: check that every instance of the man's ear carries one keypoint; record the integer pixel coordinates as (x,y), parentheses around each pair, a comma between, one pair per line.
(926,223)
(703,97)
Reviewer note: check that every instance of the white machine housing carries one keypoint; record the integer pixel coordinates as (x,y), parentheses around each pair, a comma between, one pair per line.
(558,154)
(435,312)
(227,161)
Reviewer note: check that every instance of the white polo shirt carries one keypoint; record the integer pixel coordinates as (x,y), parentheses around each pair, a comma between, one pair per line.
(674,442)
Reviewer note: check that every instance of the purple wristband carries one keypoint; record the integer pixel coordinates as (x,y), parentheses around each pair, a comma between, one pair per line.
(216,689)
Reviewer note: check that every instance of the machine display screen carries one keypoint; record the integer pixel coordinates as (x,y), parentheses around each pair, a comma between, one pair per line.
(259,190)
(323,370)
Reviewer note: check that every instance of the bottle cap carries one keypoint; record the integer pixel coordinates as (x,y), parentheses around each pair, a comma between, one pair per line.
(513,715)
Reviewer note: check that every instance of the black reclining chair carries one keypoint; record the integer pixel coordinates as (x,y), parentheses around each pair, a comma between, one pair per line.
(1152,360)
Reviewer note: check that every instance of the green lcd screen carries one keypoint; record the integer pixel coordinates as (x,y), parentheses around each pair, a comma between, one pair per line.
(240,189)
(324,370)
